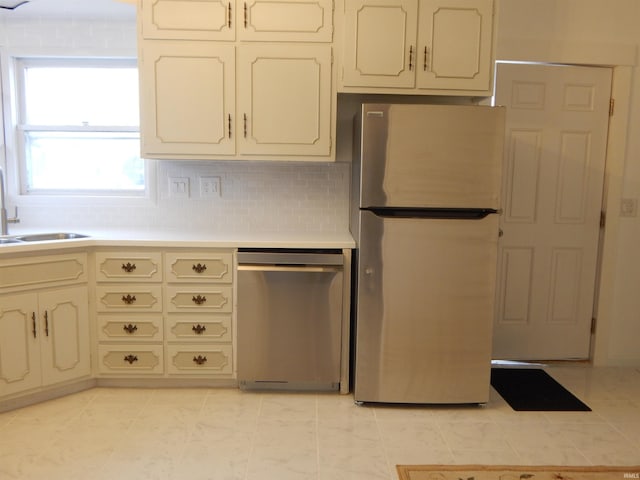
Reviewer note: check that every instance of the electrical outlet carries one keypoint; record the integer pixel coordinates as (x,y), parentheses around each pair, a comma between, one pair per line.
(210,187)
(179,187)
(629,207)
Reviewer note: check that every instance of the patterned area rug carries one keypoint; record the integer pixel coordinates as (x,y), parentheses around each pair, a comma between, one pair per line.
(483,472)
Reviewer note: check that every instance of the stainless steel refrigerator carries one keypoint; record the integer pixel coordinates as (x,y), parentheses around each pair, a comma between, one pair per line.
(426,199)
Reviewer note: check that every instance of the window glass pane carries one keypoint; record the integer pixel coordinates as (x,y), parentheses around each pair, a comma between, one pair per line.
(81,96)
(84,161)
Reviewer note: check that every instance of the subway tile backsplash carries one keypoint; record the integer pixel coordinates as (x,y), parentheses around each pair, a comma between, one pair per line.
(254,197)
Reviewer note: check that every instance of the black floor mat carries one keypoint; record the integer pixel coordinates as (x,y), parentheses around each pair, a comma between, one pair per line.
(527,389)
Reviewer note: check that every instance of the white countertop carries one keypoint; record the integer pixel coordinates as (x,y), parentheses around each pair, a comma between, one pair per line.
(180,238)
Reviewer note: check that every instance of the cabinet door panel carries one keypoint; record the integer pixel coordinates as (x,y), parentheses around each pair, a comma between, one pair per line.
(287,20)
(19,345)
(455,44)
(286,99)
(65,343)
(380,43)
(188,19)
(188,99)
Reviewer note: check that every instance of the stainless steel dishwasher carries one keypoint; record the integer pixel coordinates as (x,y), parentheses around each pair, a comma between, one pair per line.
(289,318)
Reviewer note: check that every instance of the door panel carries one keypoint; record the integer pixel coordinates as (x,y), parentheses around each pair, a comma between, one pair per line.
(555,147)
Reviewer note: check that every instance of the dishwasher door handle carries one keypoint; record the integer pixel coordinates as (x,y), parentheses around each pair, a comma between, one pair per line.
(290,268)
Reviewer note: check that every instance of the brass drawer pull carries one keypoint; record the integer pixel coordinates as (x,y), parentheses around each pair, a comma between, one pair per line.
(199,268)
(128,299)
(131,358)
(199,299)
(199,329)
(200,360)
(130,328)
(128,267)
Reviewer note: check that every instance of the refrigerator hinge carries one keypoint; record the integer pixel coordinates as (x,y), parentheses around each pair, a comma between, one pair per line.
(612,106)
(603,219)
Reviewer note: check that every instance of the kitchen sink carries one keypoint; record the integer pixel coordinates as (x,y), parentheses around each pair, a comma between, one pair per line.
(45,237)
(6,240)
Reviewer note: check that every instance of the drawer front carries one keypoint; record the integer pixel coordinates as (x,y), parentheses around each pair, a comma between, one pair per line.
(132,328)
(134,298)
(193,299)
(128,266)
(210,267)
(27,272)
(130,359)
(195,360)
(198,327)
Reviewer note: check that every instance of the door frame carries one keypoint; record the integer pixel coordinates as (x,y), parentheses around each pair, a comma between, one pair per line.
(621,59)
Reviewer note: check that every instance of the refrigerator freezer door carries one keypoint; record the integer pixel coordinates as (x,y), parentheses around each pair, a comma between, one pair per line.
(440,156)
(425,309)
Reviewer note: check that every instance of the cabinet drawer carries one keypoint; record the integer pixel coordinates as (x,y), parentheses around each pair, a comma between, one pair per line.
(195,360)
(135,328)
(133,298)
(128,266)
(198,327)
(209,267)
(130,359)
(194,299)
(24,272)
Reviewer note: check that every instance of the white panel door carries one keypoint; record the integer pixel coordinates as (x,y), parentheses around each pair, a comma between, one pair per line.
(555,147)
(380,43)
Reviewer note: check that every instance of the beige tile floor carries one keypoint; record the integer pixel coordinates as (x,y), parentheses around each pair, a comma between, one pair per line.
(226,434)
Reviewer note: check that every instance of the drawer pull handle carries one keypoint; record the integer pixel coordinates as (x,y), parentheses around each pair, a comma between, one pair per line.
(128,267)
(128,299)
(33,324)
(46,323)
(200,360)
(130,328)
(199,329)
(131,358)
(199,268)
(199,299)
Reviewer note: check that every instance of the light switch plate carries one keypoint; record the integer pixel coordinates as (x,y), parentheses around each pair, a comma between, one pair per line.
(179,187)
(629,207)
(210,187)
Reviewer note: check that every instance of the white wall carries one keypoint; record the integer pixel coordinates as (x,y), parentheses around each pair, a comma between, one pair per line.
(601,33)
(256,196)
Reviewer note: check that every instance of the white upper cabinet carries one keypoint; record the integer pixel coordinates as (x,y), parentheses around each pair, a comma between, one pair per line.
(188,19)
(228,20)
(187,98)
(417,46)
(242,79)
(285,99)
(286,20)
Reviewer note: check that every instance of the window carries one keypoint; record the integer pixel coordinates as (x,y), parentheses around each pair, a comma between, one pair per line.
(78,124)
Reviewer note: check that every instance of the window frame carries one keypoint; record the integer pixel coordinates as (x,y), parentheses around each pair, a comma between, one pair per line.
(18,63)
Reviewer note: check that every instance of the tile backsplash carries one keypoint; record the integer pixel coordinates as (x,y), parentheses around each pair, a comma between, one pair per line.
(254,197)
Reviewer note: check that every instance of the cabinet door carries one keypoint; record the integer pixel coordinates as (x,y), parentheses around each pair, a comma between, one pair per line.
(286,20)
(380,43)
(188,19)
(65,334)
(19,344)
(455,43)
(187,95)
(285,99)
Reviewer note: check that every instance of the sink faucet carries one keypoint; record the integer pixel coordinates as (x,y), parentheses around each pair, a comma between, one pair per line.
(4,220)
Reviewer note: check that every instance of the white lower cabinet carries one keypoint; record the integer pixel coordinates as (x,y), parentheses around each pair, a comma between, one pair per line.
(170,316)
(44,338)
